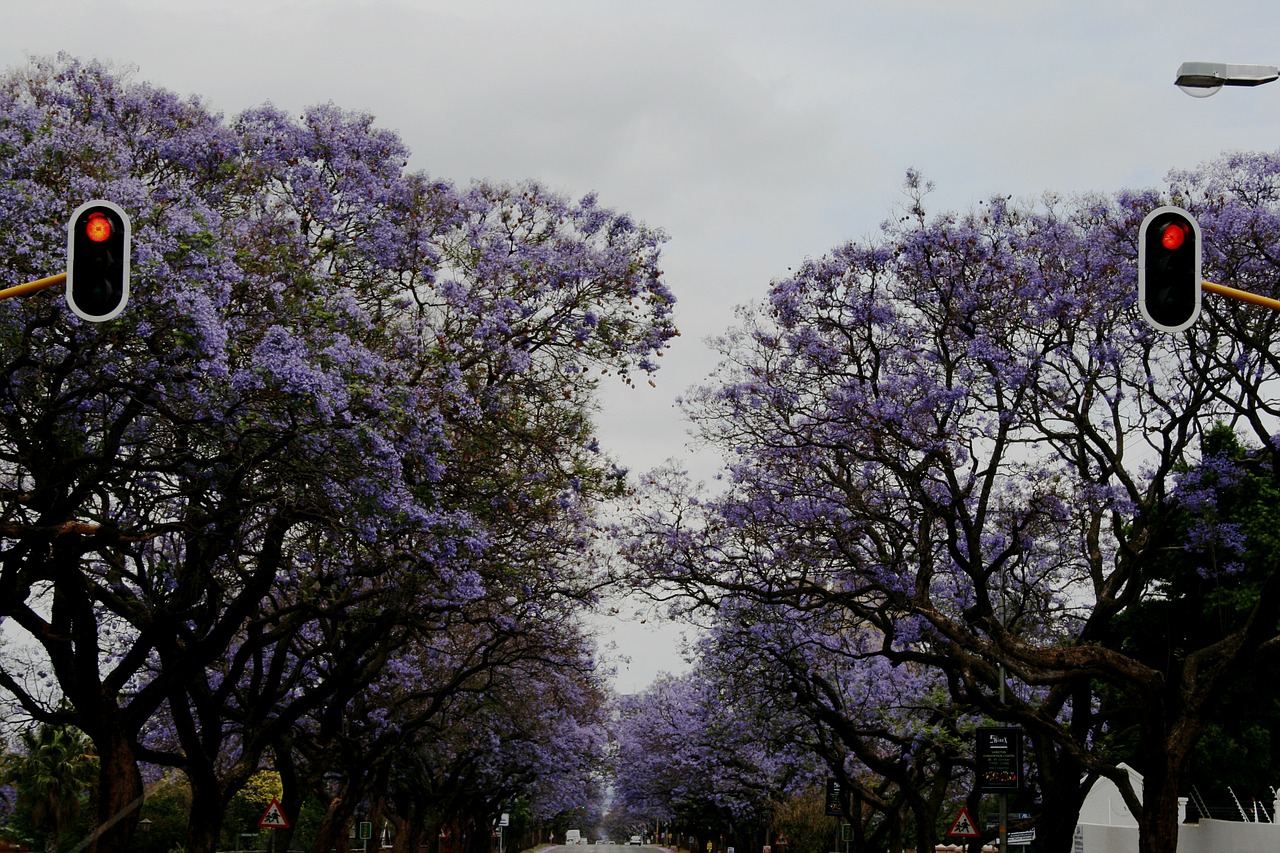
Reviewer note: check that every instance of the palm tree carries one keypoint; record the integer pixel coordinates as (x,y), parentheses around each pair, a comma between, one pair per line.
(55,768)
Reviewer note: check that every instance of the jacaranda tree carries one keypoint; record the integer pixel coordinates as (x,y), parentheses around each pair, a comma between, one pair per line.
(342,395)
(694,754)
(447,735)
(890,732)
(962,433)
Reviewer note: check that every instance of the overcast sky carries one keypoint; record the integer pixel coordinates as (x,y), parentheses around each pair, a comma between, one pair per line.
(755,134)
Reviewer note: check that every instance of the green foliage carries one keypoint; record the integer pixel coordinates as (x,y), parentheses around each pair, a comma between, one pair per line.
(1220,544)
(246,807)
(52,777)
(803,821)
(166,807)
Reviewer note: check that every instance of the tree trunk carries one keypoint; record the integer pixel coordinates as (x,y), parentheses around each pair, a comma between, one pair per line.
(335,827)
(410,833)
(204,820)
(294,794)
(973,805)
(859,820)
(1060,780)
(926,818)
(895,833)
(1158,820)
(119,793)
(479,836)
(1164,755)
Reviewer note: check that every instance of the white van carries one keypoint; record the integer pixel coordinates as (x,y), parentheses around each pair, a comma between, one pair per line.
(573,836)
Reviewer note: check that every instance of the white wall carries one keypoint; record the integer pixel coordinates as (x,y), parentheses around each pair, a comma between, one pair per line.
(1107,826)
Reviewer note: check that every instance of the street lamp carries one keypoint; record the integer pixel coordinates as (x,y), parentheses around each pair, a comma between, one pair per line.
(1202,79)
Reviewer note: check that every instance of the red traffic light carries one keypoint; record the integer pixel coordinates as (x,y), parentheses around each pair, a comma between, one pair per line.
(1173,236)
(97,227)
(98,246)
(1169,269)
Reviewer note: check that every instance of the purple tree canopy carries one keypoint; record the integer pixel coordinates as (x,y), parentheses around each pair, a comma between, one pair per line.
(961,433)
(695,749)
(342,395)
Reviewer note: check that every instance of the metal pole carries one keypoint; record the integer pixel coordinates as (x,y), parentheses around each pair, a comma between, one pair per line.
(1004,798)
(1004,823)
(1223,290)
(32,286)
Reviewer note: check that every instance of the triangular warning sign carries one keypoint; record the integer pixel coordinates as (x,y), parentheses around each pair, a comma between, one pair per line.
(964,826)
(273,817)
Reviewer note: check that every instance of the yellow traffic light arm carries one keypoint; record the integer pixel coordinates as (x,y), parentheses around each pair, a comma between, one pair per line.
(1221,290)
(33,286)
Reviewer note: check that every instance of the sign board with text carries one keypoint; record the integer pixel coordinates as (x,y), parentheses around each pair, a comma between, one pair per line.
(999,756)
(837,799)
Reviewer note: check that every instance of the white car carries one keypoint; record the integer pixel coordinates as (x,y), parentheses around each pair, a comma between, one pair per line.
(635,839)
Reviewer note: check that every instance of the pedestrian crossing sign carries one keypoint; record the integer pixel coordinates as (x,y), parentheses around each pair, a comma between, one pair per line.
(964,827)
(273,817)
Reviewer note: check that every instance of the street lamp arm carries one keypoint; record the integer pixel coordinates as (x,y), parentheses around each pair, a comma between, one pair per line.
(1213,76)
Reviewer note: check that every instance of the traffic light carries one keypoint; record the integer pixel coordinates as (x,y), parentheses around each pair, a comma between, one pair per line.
(98,239)
(1169,269)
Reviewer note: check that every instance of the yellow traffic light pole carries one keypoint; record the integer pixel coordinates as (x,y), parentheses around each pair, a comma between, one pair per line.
(33,286)
(1223,290)
(1220,289)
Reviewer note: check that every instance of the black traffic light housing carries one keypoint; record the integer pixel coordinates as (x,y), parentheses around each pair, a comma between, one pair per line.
(1169,253)
(98,242)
